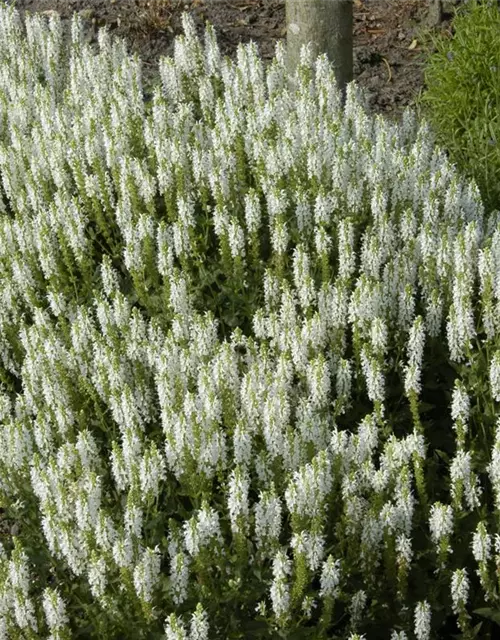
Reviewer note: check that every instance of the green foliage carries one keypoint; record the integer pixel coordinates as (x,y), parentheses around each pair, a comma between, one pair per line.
(462,95)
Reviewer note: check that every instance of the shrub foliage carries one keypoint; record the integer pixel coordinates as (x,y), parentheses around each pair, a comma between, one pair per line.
(461,100)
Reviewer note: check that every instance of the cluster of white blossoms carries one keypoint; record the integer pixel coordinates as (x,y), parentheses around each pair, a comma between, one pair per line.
(199,298)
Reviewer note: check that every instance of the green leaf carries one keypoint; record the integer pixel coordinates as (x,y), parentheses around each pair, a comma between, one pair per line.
(423,407)
(489,614)
(441,454)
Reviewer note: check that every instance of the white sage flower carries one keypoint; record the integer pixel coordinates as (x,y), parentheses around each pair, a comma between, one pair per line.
(440,522)
(481,544)
(459,590)
(175,629)
(54,609)
(280,591)
(239,485)
(330,578)
(495,376)
(422,628)
(199,626)
(146,574)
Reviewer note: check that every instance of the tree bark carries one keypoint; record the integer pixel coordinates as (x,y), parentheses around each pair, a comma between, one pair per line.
(328,25)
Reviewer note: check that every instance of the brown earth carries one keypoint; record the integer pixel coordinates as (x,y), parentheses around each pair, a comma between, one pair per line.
(388,35)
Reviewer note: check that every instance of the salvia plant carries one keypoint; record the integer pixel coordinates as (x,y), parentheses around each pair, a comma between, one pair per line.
(249,354)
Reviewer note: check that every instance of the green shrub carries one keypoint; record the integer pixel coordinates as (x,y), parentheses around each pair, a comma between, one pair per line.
(249,354)
(461,99)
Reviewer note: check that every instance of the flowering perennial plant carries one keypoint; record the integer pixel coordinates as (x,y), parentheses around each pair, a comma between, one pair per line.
(249,353)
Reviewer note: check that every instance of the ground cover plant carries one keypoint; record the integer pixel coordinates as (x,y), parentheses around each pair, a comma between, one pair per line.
(249,351)
(462,95)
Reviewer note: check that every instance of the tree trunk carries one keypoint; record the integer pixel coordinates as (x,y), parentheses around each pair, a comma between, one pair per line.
(328,25)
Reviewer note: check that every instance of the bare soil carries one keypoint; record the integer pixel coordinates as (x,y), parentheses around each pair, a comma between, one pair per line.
(388,55)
